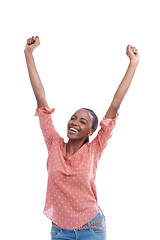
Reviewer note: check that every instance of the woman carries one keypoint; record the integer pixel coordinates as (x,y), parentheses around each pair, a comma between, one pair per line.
(71,199)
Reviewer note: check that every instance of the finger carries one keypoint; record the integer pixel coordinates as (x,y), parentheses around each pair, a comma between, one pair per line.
(37,40)
(128,48)
(29,41)
(32,41)
(134,49)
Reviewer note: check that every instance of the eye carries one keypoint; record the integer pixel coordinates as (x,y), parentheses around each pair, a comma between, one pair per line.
(83,122)
(73,118)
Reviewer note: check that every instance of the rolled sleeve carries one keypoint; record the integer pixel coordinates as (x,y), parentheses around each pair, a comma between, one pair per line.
(104,134)
(46,125)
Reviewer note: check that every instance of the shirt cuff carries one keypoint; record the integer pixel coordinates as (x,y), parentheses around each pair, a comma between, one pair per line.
(108,123)
(42,110)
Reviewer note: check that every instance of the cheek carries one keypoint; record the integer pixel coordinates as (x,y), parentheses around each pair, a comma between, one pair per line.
(86,129)
(68,122)
(89,126)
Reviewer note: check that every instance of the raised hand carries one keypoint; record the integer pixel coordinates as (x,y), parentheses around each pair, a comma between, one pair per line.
(36,83)
(32,43)
(132,53)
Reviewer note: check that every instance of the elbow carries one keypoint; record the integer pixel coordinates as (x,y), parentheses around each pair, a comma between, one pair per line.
(40,96)
(42,102)
(112,111)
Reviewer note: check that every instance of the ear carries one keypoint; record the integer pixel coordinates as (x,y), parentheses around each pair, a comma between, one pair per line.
(91,132)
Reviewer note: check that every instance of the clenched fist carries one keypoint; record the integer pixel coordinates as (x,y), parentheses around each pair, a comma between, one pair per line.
(132,53)
(32,43)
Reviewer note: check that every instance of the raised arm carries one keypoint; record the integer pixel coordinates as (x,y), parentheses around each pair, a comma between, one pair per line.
(132,53)
(36,83)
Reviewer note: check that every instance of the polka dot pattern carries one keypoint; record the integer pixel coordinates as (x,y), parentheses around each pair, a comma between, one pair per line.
(71,198)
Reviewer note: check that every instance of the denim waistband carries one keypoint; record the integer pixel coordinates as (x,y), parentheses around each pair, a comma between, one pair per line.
(96,218)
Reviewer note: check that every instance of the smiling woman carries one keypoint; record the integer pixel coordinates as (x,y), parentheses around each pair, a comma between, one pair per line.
(71,200)
(80,127)
(87,116)
(81,122)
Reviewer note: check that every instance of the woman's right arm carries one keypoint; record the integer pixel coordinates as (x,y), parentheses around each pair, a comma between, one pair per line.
(36,83)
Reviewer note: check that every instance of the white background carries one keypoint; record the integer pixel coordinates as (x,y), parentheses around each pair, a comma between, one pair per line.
(81,61)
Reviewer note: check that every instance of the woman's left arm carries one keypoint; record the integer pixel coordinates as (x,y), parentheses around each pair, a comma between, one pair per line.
(133,55)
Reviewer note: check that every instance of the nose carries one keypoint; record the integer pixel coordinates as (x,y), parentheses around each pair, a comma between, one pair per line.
(75,123)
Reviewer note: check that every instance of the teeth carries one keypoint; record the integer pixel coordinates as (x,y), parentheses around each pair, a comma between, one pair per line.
(73,129)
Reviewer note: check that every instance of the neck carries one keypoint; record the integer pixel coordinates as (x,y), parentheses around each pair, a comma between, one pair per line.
(73,146)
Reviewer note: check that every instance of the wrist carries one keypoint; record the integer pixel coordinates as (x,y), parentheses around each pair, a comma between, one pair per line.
(28,52)
(134,62)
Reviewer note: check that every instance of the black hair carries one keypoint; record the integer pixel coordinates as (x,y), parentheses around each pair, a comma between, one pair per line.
(94,122)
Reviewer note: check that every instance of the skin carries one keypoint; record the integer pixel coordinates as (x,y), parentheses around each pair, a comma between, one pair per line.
(76,140)
(82,121)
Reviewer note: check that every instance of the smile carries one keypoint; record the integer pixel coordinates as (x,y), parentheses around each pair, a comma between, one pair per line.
(73,130)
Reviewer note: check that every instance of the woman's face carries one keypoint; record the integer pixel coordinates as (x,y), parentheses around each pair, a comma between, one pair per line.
(80,125)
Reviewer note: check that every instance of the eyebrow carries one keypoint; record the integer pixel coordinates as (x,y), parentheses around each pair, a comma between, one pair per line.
(81,118)
(84,119)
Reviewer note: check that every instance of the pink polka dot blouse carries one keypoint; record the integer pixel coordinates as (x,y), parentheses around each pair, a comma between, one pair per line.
(71,197)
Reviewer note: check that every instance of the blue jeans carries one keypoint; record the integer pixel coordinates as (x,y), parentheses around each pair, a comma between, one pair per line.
(83,234)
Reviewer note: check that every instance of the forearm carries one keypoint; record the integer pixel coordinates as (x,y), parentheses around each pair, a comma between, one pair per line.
(124,85)
(36,83)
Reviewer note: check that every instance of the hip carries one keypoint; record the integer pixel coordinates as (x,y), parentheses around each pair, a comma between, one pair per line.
(95,229)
